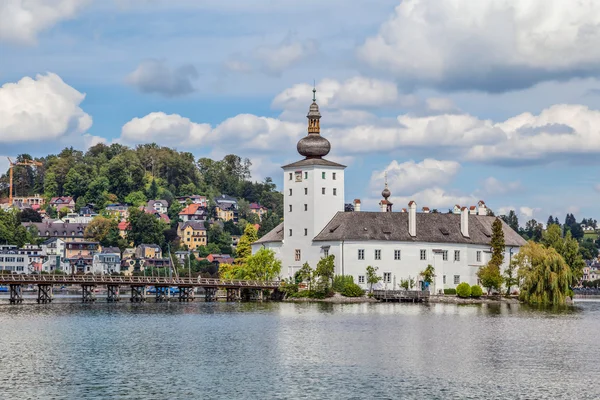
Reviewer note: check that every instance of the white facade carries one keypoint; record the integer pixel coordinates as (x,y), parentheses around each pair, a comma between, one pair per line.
(313,194)
(11,260)
(106,263)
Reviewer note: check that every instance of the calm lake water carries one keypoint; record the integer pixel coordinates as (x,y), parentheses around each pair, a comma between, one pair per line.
(293,351)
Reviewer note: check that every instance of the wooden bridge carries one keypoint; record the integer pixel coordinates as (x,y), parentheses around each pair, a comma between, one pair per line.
(414,296)
(138,285)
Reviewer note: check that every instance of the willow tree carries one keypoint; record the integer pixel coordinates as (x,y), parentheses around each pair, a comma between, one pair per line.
(544,275)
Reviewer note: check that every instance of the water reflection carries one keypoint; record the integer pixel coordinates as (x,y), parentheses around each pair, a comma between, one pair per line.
(298,350)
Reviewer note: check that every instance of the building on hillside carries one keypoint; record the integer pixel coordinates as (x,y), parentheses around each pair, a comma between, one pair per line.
(148,251)
(193,212)
(257,209)
(54,263)
(399,244)
(63,202)
(182,255)
(118,211)
(80,265)
(192,234)
(78,249)
(226,208)
(194,199)
(11,259)
(37,254)
(54,247)
(123,227)
(36,201)
(74,218)
(218,259)
(87,211)
(107,262)
(159,206)
(69,232)
(164,217)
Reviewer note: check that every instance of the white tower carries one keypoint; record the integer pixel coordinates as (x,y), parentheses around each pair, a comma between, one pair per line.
(313,190)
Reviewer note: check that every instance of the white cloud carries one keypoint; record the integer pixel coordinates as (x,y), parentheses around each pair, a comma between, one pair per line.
(492,186)
(155,76)
(493,45)
(237,66)
(355,92)
(410,177)
(245,132)
(278,58)
(22,20)
(529,212)
(44,108)
(164,129)
(558,132)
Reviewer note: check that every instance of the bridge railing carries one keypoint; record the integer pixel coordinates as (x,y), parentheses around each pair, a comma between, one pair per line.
(6,279)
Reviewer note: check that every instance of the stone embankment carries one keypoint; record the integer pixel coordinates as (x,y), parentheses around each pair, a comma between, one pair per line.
(450,299)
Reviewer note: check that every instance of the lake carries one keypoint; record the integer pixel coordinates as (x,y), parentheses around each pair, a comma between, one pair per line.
(298,351)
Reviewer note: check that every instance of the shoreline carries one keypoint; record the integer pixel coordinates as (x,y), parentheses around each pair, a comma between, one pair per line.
(435,299)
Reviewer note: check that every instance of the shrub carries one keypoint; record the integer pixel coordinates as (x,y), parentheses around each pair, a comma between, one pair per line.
(449,291)
(476,291)
(463,290)
(341,281)
(352,290)
(290,288)
(311,294)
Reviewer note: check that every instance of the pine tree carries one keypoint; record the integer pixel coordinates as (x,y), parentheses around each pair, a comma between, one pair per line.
(153,190)
(497,244)
(550,221)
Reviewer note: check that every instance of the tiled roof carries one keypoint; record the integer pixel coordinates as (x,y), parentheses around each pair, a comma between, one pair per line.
(275,235)
(195,225)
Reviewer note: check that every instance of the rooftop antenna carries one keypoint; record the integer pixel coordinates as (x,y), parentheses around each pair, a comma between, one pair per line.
(314,91)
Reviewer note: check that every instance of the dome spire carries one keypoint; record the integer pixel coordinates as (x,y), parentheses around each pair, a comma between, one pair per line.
(386,191)
(314,145)
(386,205)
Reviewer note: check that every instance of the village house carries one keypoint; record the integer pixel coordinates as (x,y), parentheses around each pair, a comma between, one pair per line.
(108,261)
(63,202)
(193,212)
(11,260)
(78,249)
(257,209)
(36,201)
(160,206)
(192,234)
(69,232)
(118,211)
(123,226)
(54,247)
(218,259)
(194,199)
(148,251)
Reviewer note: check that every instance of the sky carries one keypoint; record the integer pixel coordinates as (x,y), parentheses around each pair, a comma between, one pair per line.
(456,100)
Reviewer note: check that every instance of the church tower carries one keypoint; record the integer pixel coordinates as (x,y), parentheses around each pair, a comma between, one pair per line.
(313,193)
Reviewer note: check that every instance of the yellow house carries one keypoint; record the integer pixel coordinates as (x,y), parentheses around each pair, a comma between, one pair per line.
(192,234)
(224,214)
(257,209)
(148,251)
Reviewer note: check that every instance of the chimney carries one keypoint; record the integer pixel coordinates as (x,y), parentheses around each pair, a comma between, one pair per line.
(356,204)
(412,218)
(464,222)
(425,210)
(383,205)
(473,210)
(482,209)
(456,209)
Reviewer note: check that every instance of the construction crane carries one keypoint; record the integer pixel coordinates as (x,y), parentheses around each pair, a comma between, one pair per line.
(28,163)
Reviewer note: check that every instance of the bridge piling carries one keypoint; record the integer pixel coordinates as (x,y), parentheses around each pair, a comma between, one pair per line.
(162,294)
(138,294)
(44,293)
(16,293)
(113,294)
(210,294)
(87,293)
(186,293)
(234,294)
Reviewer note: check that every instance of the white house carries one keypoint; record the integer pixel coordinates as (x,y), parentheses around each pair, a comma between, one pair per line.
(107,262)
(12,260)
(399,244)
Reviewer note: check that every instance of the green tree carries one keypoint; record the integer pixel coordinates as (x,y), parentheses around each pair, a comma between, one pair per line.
(490,277)
(50,185)
(153,190)
(326,270)
(544,275)
(306,274)
(428,274)
(30,215)
(511,220)
(145,228)
(510,277)
(372,277)
(567,247)
(263,265)
(136,199)
(497,243)
(98,229)
(244,247)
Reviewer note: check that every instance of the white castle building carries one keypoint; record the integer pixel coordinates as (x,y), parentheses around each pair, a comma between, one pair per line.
(399,244)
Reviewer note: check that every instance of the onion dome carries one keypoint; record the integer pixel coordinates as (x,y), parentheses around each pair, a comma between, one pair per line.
(314,145)
(386,191)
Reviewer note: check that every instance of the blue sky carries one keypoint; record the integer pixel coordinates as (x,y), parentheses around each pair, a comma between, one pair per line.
(456,100)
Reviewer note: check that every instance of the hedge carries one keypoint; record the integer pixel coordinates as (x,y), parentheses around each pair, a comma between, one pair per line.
(476,291)
(463,290)
(449,291)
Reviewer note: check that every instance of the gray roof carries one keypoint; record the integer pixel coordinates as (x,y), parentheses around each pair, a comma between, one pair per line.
(196,225)
(275,235)
(313,161)
(431,227)
(71,228)
(393,226)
